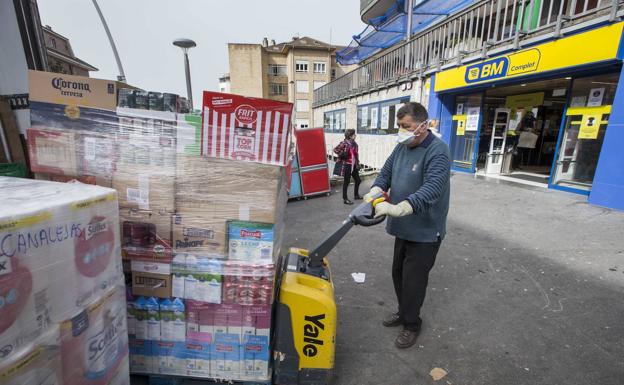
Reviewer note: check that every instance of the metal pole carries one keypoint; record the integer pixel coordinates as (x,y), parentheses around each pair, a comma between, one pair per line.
(410,11)
(189,93)
(122,75)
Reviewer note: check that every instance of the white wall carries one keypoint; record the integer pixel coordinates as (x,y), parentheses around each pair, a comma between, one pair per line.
(13,67)
(373,149)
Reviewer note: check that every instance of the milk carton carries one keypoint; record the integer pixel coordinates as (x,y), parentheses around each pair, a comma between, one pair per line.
(226,356)
(197,356)
(256,320)
(153,319)
(130,313)
(255,357)
(178,327)
(178,269)
(167,355)
(140,324)
(250,241)
(166,320)
(141,357)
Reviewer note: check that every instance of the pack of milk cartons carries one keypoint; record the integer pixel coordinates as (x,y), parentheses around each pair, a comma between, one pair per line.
(62,304)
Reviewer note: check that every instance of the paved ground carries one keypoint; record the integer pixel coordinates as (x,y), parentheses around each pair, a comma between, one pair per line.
(527,289)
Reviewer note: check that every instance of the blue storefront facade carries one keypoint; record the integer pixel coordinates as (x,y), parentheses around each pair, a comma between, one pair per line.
(569,92)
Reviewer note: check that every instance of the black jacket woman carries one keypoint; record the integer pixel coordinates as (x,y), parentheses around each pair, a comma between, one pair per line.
(347,151)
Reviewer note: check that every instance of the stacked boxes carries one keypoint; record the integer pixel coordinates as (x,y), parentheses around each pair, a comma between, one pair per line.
(201,202)
(61,285)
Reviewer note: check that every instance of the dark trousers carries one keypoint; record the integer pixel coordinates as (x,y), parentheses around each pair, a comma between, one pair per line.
(347,179)
(410,275)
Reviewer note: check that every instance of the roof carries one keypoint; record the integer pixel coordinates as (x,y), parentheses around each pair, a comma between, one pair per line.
(73,60)
(302,42)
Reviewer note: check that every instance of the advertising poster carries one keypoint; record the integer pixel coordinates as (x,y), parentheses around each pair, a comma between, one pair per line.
(595,97)
(385,117)
(590,125)
(364,117)
(396,111)
(472,118)
(373,113)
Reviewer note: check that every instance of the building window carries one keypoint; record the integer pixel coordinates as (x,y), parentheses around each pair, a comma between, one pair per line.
(333,74)
(303,105)
(301,66)
(318,84)
(335,121)
(303,123)
(319,67)
(277,70)
(303,86)
(277,89)
(53,42)
(379,118)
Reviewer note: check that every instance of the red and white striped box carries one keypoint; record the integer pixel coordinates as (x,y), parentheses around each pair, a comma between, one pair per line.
(242,128)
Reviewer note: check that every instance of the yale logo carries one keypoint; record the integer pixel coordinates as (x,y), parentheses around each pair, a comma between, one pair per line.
(491,69)
(311,331)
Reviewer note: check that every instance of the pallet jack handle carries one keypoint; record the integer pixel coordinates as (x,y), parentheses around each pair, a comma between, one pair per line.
(363,215)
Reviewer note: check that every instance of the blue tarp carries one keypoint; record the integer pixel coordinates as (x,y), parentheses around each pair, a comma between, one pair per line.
(388,29)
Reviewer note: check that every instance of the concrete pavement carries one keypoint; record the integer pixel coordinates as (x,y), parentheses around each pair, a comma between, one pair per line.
(527,289)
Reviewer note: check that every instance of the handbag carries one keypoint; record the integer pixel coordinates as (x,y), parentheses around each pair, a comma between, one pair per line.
(339,168)
(527,139)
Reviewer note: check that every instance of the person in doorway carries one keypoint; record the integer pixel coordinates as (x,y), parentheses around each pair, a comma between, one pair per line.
(347,151)
(417,175)
(526,133)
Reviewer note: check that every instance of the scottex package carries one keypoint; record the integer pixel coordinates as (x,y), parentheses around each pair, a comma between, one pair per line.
(59,254)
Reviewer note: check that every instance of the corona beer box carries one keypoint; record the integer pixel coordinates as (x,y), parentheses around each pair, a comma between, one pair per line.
(241,128)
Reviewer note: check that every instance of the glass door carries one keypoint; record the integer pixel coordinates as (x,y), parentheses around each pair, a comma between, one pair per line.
(497,141)
(466,121)
(586,122)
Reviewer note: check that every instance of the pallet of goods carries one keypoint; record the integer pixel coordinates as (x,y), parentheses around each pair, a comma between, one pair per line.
(62,295)
(201,203)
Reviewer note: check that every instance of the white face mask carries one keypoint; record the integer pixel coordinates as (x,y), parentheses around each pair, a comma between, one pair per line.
(404,136)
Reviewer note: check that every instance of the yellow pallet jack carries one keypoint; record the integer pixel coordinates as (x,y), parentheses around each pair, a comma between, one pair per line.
(305,313)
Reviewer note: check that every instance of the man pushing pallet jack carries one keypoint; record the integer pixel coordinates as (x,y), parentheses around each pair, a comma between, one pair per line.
(417,175)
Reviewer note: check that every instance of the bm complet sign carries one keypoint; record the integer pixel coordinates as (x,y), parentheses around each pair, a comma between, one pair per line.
(594,46)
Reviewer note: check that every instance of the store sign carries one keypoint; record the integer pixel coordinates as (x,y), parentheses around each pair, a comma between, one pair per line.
(524,100)
(461,124)
(554,55)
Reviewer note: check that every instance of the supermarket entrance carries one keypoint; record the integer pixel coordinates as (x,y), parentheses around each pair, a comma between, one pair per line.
(519,129)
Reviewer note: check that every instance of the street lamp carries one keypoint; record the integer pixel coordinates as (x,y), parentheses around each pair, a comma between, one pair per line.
(185,44)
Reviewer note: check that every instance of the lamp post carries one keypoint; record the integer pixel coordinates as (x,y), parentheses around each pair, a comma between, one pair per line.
(185,44)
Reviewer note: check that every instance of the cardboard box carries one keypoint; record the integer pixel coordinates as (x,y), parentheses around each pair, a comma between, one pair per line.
(242,128)
(52,151)
(157,226)
(200,232)
(144,187)
(151,285)
(157,252)
(86,179)
(97,155)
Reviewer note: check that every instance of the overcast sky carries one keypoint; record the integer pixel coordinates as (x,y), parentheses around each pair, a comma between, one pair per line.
(144,29)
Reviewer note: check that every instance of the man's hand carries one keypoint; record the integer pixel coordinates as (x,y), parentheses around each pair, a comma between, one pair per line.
(399,210)
(373,191)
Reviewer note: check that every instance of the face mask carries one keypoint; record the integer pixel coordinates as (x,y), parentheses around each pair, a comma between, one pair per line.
(404,136)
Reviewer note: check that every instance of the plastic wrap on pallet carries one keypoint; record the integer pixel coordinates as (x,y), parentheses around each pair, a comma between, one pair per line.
(199,231)
(62,307)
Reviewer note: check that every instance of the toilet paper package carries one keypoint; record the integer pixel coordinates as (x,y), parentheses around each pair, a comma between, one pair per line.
(59,251)
(38,363)
(94,343)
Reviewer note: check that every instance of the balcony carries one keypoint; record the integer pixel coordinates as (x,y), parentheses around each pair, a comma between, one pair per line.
(486,28)
(373,8)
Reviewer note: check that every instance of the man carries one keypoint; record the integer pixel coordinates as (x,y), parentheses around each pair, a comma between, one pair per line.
(417,174)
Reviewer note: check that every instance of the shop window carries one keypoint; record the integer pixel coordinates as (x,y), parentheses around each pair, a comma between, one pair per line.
(586,122)
(379,118)
(335,121)
(465,132)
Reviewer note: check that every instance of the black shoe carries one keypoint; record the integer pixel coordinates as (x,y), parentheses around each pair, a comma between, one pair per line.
(406,338)
(347,202)
(392,320)
(357,198)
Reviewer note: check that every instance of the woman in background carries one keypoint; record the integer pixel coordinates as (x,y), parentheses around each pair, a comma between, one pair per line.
(347,152)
